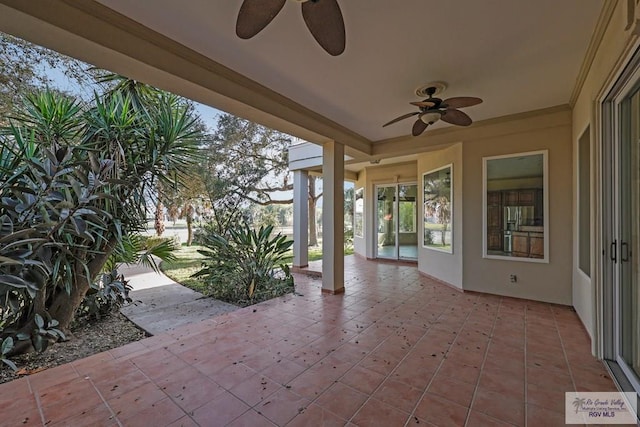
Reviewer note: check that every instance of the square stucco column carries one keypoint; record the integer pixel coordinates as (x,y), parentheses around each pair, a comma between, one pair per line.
(300,218)
(333,218)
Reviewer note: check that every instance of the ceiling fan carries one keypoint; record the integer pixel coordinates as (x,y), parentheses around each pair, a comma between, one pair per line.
(323,18)
(433,109)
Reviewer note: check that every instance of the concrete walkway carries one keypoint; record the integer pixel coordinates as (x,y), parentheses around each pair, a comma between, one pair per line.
(160,304)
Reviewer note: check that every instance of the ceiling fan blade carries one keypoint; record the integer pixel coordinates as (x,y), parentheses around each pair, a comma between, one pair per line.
(254,15)
(324,20)
(425,104)
(402,117)
(456,117)
(462,101)
(418,127)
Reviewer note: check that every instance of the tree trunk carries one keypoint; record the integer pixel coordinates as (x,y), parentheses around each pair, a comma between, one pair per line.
(189,229)
(159,220)
(313,229)
(64,306)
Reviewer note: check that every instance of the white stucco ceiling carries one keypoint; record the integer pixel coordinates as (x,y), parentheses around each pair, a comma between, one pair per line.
(517,55)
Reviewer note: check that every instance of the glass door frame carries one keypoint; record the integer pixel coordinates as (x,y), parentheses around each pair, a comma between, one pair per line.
(613,223)
(396,213)
(377,221)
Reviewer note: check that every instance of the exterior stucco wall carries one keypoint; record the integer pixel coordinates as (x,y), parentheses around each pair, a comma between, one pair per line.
(441,265)
(614,50)
(550,282)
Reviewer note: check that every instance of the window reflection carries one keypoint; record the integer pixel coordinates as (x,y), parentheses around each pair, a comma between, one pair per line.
(437,209)
(515,206)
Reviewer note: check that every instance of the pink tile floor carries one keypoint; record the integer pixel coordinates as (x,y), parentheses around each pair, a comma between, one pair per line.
(396,349)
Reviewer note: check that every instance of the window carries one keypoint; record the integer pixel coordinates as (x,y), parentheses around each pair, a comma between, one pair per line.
(358,213)
(437,186)
(515,207)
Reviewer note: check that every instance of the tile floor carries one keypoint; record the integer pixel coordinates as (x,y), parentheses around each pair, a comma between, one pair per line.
(396,349)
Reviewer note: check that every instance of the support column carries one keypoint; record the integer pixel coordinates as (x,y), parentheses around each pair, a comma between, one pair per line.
(333,218)
(300,218)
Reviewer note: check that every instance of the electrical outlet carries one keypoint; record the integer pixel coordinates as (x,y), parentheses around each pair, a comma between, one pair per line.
(513,278)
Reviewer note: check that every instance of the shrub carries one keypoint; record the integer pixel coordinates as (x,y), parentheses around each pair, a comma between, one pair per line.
(150,242)
(106,295)
(247,266)
(110,290)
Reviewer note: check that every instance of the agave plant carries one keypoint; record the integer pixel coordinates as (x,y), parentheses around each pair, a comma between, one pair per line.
(247,265)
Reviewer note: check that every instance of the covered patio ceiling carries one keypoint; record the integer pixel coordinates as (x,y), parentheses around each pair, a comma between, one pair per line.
(518,56)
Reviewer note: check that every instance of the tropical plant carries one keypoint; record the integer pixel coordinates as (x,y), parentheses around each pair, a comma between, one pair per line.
(73,184)
(6,347)
(247,265)
(111,290)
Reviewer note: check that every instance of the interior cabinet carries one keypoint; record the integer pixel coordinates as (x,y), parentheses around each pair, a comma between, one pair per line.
(494,221)
(536,245)
(520,242)
(526,197)
(494,198)
(511,198)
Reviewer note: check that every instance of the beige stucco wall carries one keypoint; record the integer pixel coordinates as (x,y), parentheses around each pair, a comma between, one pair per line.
(613,52)
(551,281)
(442,265)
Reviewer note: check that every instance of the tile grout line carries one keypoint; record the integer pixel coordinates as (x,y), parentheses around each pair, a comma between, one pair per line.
(352,367)
(424,392)
(253,407)
(564,351)
(37,398)
(105,401)
(159,388)
(312,401)
(484,359)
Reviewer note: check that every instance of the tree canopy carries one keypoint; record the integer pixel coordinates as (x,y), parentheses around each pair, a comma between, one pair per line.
(25,68)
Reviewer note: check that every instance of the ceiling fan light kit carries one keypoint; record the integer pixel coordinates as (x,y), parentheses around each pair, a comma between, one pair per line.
(430,118)
(432,109)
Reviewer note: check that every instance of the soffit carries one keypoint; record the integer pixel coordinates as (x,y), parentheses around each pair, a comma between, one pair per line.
(516,55)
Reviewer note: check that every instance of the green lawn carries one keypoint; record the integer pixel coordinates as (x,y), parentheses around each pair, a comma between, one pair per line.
(433,227)
(189,261)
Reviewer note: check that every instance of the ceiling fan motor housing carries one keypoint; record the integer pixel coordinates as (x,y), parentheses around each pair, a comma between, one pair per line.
(430,89)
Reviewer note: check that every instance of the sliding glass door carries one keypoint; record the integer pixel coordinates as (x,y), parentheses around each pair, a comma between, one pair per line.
(621,231)
(627,245)
(396,221)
